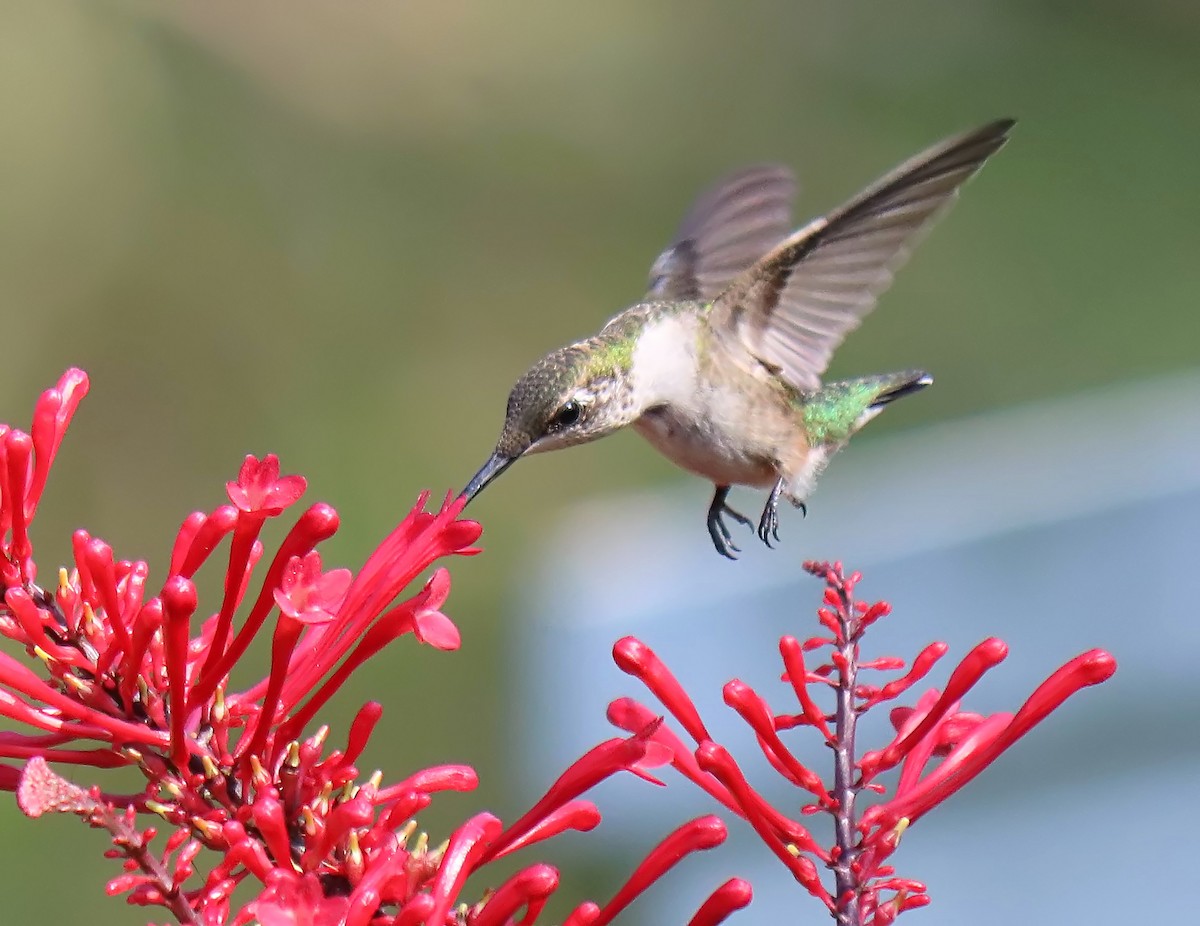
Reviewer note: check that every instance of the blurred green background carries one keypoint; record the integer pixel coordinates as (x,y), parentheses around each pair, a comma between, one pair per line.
(338,232)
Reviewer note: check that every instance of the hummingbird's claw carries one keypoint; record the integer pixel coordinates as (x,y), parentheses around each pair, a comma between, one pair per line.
(803,507)
(720,538)
(768,525)
(718,530)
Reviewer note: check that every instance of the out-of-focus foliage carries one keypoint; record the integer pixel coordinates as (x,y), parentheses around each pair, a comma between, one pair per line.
(339,231)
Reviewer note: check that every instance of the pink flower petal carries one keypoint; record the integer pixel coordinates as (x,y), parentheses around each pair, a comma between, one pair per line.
(437,630)
(260,488)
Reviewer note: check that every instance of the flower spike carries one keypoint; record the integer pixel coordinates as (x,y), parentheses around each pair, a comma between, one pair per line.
(249,805)
(938,746)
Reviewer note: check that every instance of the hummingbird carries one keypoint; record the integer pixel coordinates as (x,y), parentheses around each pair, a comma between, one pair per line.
(719,365)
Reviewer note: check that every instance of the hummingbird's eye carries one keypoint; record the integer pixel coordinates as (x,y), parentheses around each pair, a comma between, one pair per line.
(566,416)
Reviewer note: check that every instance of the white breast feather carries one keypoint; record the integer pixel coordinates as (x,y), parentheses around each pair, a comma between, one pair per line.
(694,427)
(664,364)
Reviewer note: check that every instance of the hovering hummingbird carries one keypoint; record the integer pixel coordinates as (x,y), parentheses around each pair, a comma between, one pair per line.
(719,366)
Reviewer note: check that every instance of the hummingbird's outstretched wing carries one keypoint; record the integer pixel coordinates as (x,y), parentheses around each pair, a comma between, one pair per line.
(794,307)
(728,228)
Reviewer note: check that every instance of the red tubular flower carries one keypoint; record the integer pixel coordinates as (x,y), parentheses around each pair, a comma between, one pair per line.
(465,846)
(573,815)
(178,605)
(228,774)
(730,896)
(596,765)
(757,714)
(970,754)
(318,523)
(983,657)
(939,747)
(529,888)
(792,653)
(637,659)
(921,665)
(629,715)
(716,760)
(696,836)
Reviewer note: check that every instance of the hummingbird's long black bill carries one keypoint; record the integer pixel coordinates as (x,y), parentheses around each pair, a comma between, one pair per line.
(495,465)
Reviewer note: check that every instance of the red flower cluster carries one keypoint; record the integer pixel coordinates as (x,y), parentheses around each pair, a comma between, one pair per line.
(129,679)
(938,747)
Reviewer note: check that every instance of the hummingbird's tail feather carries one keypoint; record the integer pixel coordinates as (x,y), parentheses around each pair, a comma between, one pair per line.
(837,410)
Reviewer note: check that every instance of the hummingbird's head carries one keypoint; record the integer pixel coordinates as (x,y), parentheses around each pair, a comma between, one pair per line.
(574,395)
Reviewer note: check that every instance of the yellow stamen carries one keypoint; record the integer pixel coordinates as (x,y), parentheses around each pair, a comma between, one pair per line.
(161,809)
(208,831)
(88,624)
(78,685)
(353,852)
(436,855)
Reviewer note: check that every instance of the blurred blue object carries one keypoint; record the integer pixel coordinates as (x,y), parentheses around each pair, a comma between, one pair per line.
(1059,527)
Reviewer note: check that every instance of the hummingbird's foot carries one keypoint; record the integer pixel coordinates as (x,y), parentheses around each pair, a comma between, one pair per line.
(717,528)
(768,525)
